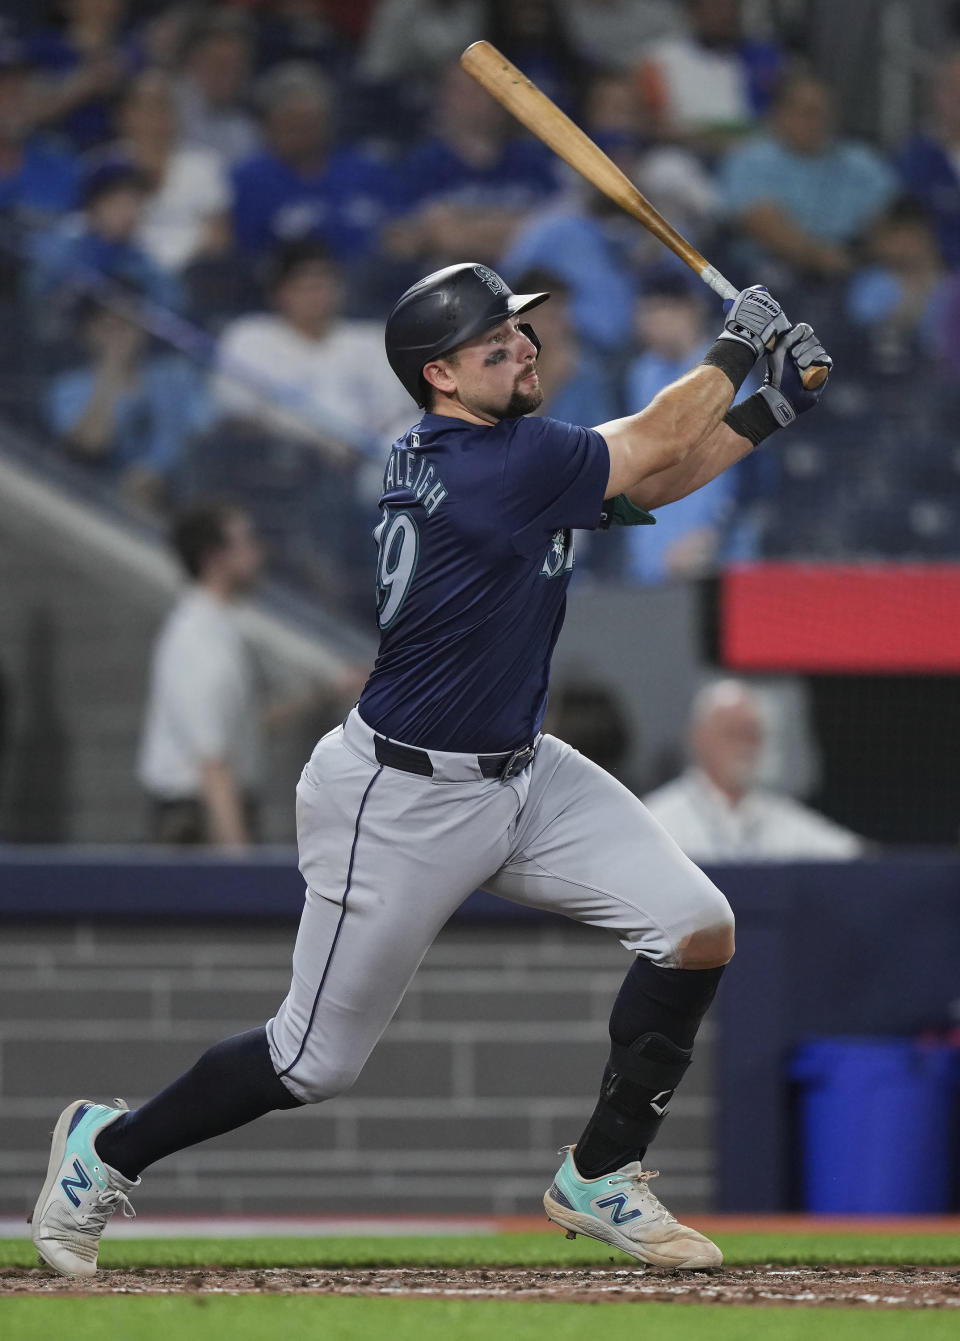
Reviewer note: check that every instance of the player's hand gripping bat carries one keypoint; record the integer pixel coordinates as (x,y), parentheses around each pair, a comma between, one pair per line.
(513,90)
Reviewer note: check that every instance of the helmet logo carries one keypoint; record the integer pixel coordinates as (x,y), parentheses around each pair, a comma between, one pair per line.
(493,282)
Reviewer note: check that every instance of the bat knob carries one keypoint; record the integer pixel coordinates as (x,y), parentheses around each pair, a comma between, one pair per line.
(814,376)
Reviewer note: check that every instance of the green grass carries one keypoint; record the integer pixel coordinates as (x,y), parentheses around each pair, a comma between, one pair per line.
(307,1318)
(548,1249)
(301,1318)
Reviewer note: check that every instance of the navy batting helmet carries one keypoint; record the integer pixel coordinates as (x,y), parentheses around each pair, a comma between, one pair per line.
(444,310)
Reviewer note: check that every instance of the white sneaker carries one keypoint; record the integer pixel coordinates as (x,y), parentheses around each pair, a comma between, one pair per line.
(620,1209)
(81,1192)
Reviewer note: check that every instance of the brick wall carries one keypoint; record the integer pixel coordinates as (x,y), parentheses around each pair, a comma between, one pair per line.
(490,1065)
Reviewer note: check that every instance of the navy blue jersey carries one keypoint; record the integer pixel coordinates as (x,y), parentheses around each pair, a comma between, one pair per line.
(475,556)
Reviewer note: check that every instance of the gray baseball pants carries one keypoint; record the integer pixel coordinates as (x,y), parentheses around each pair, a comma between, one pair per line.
(388,856)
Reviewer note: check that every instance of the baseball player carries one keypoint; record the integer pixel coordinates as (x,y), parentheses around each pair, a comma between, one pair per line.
(440,781)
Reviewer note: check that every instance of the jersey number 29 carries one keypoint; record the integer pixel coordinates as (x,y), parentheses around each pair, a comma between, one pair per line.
(399,543)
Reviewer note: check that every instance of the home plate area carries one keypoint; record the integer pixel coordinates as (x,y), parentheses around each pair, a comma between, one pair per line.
(857,1287)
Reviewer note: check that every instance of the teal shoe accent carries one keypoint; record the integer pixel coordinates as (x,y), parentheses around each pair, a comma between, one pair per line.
(79,1149)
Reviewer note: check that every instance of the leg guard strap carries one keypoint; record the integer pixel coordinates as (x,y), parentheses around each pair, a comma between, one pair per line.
(637,1086)
(651,1062)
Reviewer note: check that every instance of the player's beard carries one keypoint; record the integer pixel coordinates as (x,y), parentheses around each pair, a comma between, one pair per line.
(523,402)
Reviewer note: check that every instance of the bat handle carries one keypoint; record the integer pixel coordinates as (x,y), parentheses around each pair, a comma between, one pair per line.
(712,277)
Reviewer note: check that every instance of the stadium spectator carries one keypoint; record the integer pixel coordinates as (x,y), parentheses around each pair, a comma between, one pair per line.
(534,35)
(586,242)
(37,180)
(215,63)
(305,371)
(589,242)
(301,184)
(307,31)
(673,176)
(901,297)
(186,212)
(100,241)
(611,34)
(350,17)
(692,535)
(86,61)
(716,812)
(711,83)
(799,195)
(929,165)
(208,706)
(416,39)
(578,384)
(470,185)
(201,750)
(127,410)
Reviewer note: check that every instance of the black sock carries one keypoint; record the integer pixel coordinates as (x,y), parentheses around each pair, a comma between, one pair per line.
(230,1085)
(653,1025)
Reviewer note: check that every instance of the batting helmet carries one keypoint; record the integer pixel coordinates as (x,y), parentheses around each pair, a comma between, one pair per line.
(444,310)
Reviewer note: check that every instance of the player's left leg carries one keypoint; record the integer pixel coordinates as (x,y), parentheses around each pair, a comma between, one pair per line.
(95,1158)
(586,847)
(388,855)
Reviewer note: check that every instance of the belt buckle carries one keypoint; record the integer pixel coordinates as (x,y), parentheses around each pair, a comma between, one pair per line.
(517,762)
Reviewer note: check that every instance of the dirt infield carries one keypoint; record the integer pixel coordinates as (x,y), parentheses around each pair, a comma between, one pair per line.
(858,1287)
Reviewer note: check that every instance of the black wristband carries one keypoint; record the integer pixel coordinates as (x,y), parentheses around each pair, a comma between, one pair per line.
(732,357)
(752,419)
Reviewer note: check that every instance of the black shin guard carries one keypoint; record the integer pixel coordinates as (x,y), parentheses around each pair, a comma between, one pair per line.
(637,1086)
(652,1029)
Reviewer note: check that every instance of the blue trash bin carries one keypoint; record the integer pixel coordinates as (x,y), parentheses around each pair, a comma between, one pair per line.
(876,1124)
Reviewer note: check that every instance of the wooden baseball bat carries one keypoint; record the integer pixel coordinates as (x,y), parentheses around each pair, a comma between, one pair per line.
(514,91)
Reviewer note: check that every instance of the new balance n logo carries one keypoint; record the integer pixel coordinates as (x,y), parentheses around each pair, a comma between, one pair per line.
(618,1203)
(80,1183)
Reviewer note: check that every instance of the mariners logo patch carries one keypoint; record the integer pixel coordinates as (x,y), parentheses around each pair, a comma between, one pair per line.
(559,557)
(493,282)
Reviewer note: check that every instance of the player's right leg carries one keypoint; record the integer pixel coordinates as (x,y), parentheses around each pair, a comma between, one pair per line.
(586,847)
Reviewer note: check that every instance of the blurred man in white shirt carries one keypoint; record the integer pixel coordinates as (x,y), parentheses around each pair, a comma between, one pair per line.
(306,372)
(716,812)
(201,752)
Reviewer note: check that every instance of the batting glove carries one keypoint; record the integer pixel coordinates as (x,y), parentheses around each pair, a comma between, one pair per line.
(793,355)
(754,318)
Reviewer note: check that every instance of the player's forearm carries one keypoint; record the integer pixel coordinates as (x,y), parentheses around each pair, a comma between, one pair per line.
(223,803)
(716,453)
(661,437)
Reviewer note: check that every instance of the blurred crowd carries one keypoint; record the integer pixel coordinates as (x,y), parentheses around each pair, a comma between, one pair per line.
(206,211)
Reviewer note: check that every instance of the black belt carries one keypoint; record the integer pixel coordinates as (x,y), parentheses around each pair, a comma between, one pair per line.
(411,760)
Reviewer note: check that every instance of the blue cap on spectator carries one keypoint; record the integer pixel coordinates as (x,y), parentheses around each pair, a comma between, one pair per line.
(103,172)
